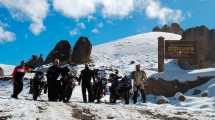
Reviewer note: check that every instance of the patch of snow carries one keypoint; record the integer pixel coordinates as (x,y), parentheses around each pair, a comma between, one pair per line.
(8,69)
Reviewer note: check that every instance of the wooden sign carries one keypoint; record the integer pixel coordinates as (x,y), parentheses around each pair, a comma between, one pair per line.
(177,49)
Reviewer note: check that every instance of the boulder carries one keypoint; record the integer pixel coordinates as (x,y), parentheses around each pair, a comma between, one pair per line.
(132,62)
(61,51)
(179,96)
(204,94)
(161,100)
(169,88)
(82,51)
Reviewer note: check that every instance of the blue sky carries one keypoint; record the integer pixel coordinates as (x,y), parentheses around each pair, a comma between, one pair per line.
(34,26)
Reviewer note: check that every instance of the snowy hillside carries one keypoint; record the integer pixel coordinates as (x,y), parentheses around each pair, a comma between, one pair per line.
(8,69)
(142,49)
(118,54)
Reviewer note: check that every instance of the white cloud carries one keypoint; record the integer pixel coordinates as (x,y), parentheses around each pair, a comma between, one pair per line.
(81,25)
(75,8)
(95,30)
(34,10)
(85,8)
(36,28)
(6,36)
(77,29)
(37,10)
(73,32)
(117,8)
(154,10)
(100,25)
(90,18)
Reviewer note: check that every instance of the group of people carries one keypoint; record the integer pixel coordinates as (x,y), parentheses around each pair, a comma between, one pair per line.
(93,83)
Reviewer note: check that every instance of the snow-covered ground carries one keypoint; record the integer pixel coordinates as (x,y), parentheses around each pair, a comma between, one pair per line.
(142,49)
(7,69)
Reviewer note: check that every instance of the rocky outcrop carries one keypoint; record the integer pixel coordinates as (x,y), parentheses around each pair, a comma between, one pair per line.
(176,28)
(205,39)
(166,28)
(180,97)
(162,100)
(166,88)
(156,29)
(35,61)
(61,51)
(1,72)
(82,51)
(173,28)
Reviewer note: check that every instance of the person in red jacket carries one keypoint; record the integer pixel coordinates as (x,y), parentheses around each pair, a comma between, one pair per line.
(18,75)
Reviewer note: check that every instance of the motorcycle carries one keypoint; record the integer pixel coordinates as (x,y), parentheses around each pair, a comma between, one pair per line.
(38,84)
(99,87)
(121,91)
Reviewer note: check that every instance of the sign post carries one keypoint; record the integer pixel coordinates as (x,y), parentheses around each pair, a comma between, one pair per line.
(161,54)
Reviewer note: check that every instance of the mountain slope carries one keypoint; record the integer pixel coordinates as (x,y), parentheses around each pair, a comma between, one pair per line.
(142,49)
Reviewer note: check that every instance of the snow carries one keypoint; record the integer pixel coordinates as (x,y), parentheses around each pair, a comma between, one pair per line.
(211,90)
(142,49)
(174,72)
(8,69)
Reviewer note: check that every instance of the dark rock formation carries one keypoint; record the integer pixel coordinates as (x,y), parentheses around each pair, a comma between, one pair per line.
(35,61)
(162,100)
(170,88)
(211,45)
(205,40)
(1,72)
(82,50)
(156,29)
(61,51)
(176,28)
(204,94)
(166,28)
(173,28)
(196,92)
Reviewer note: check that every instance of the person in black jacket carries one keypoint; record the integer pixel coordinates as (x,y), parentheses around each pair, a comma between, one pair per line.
(52,80)
(86,75)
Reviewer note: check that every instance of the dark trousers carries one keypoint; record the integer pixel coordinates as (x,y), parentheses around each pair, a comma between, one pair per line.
(135,96)
(52,90)
(86,87)
(17,88)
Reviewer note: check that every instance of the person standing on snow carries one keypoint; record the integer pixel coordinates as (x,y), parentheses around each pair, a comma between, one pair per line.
(114,80)
(18,75)
(139,77)
(53,74)
(86,75)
